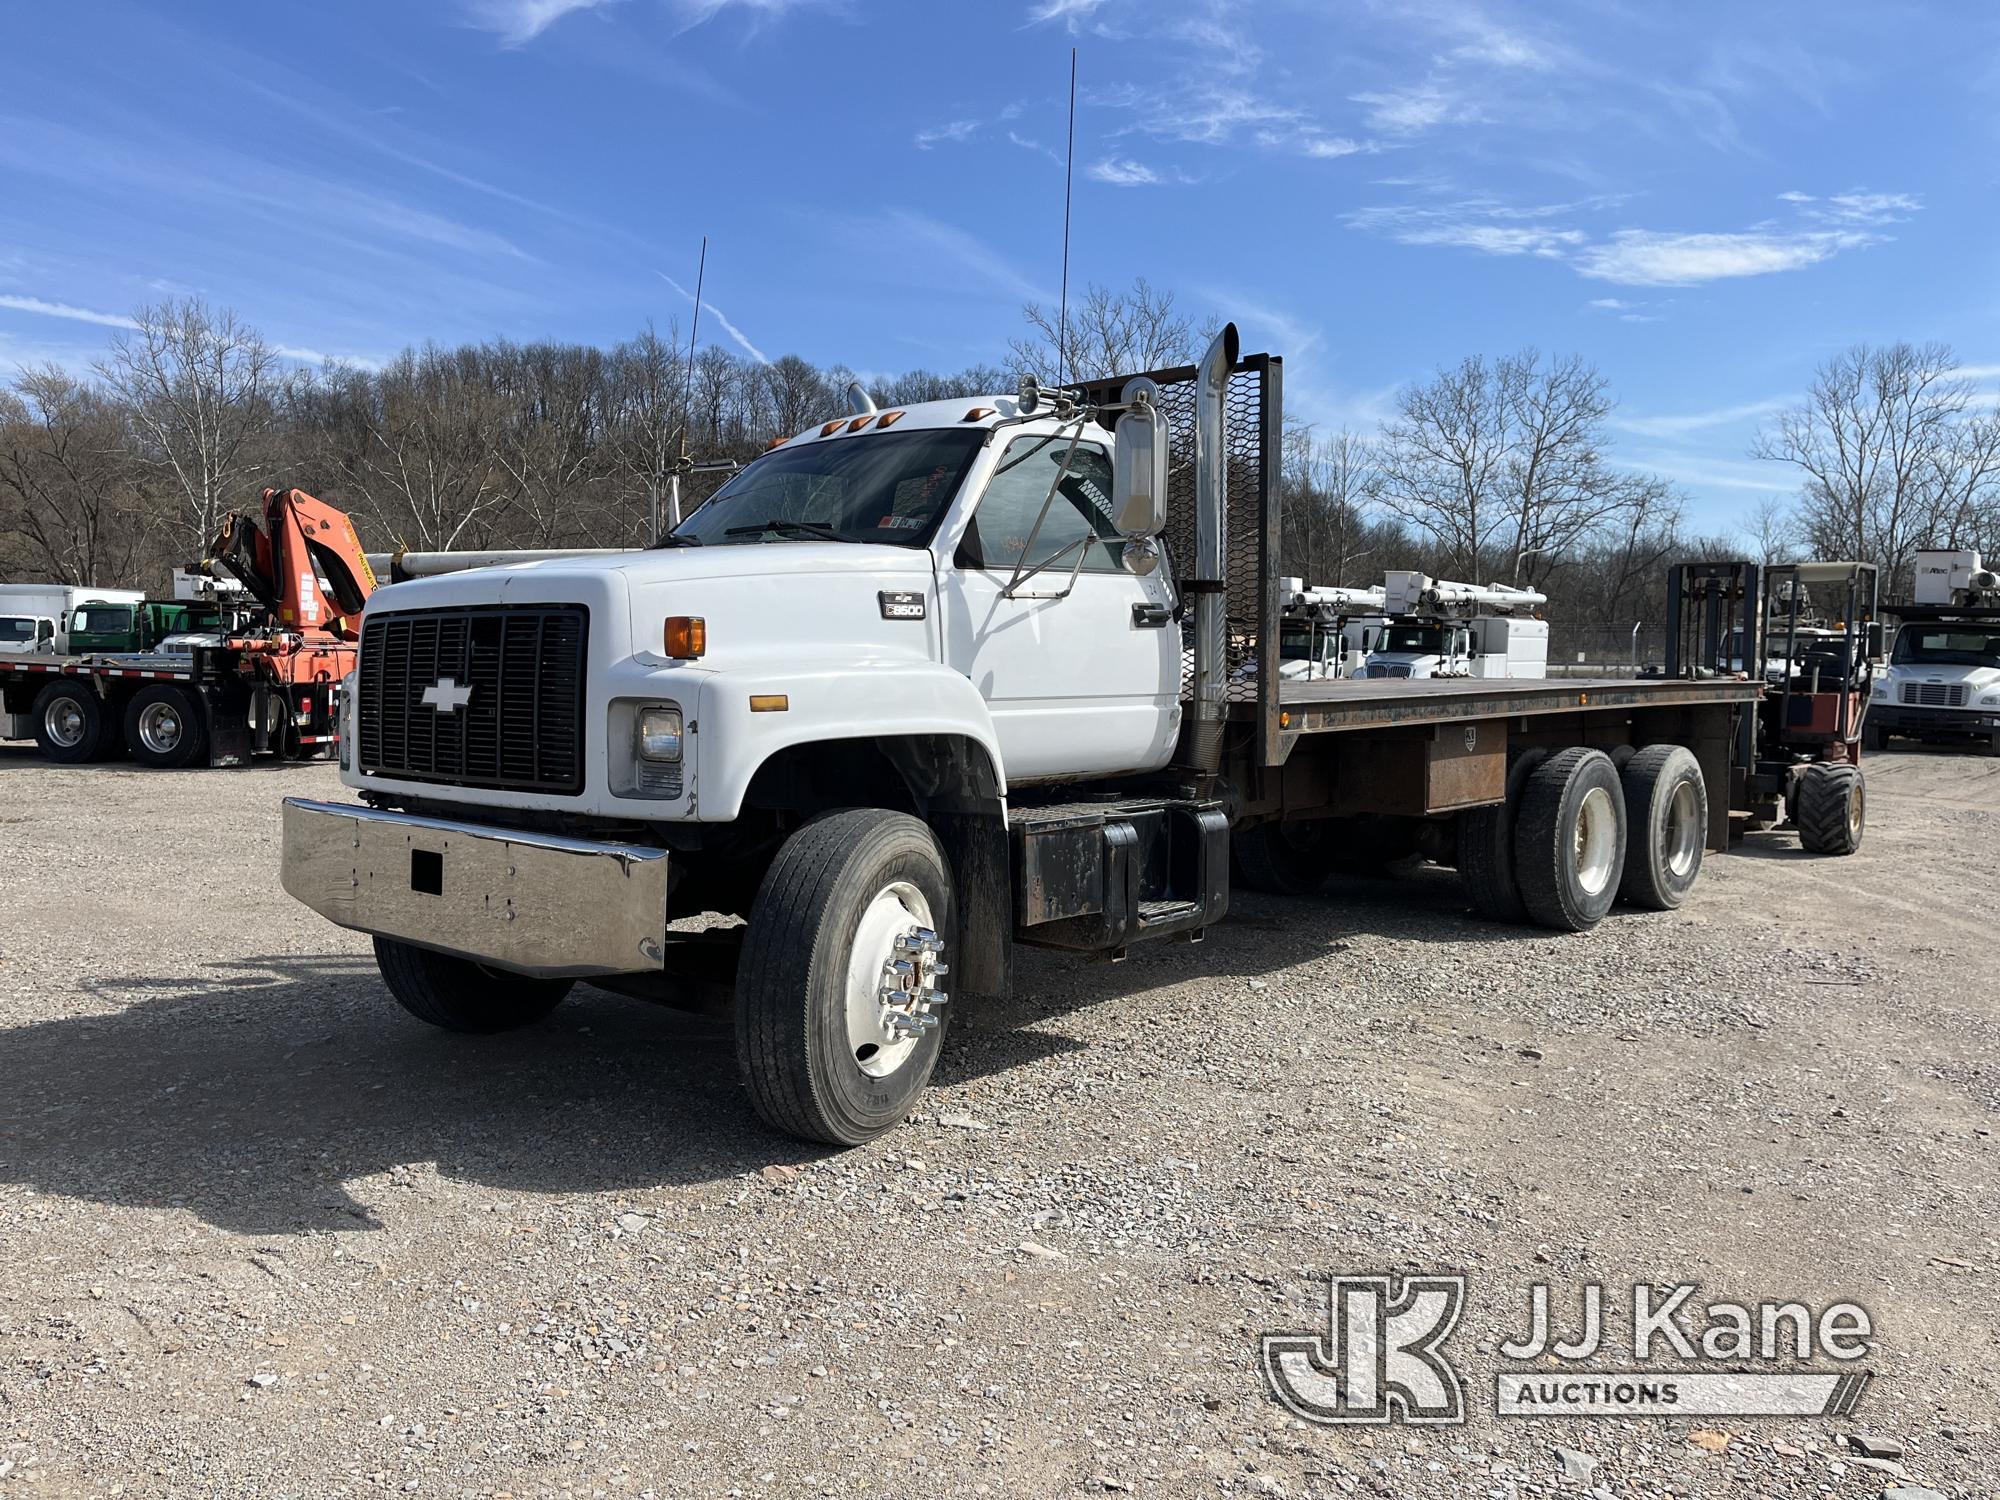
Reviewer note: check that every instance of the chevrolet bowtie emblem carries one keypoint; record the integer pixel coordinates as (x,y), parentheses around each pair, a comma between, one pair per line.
(446,696)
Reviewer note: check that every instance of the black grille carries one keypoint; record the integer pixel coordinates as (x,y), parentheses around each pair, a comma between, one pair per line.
(520,728)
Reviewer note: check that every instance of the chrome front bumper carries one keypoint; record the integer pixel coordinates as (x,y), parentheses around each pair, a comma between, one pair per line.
(530,902)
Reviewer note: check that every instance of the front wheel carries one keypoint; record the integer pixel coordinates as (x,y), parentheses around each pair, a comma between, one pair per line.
(838,1019)
(456,994)
(1831,808)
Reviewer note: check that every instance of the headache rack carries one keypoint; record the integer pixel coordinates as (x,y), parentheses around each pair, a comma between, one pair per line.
(1255,430)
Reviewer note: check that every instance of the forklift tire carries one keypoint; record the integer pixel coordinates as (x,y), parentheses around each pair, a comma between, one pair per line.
(456,994)
(847,931)
(165,728)
(1291,858)
(72,724)
(1486,847)
(1666,826)
(1569,839)
(1832,808)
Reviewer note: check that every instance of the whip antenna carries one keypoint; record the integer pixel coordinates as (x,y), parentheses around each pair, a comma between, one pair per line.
(1069,176)
(694,331)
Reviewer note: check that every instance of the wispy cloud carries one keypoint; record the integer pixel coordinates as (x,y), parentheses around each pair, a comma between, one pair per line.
(1073,14)
(65,310)
(1700,421)
(517,22)
(1855,207)
(1125,173)
(1307,140)
(1029,143)
(1417,108)
(952,131)
(1470,226)
(1642,257)
(742,339)
(917,235)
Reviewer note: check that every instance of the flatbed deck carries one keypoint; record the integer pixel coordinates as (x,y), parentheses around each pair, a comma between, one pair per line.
(1351,703)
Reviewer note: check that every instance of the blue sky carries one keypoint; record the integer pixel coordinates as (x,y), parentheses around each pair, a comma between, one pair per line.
(1705,199)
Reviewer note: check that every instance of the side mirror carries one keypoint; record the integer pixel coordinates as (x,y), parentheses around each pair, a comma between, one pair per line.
(1139,471)
(45,630)
(1875,638)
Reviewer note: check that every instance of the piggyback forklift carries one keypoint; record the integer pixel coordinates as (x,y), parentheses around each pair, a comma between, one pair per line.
(1799,746)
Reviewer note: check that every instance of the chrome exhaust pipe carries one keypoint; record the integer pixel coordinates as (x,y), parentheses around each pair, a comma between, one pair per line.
(859,402)
(1211,497)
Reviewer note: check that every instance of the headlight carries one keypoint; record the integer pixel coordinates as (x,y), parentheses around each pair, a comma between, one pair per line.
(658,734)
(1990,698)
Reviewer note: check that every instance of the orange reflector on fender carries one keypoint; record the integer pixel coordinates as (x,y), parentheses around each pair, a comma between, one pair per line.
(769,703)
(686,637)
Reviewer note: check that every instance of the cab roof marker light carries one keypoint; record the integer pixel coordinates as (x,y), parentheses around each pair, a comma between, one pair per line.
(861,421)
(889,419)
(776,442)
(832,427)
(978,414)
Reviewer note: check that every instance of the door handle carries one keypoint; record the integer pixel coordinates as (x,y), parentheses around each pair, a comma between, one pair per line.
(1151,616)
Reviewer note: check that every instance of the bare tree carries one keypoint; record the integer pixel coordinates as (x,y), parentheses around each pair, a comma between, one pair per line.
(1503,465)
(1892,456)
(427,467)
(1105,333)
(66,480)
(551,443)
(197,386)
(647,421)
(1329,487)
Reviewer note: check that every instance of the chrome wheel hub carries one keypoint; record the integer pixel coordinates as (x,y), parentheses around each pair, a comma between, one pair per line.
(160,727)
(892,979)
(64,723)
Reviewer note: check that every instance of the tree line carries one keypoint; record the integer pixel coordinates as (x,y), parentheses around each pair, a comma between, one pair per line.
(1495,469)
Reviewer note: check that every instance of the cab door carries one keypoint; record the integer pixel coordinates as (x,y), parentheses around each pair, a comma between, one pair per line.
(1080,664)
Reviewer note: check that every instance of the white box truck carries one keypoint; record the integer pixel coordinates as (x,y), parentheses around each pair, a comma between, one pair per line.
(34,617)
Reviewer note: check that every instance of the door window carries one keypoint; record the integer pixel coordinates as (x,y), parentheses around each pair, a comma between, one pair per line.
(1080,514)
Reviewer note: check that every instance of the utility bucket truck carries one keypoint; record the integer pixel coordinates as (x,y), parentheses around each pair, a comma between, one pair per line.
(1325,632)
(918,687)
(231,689)
(1440,629)
(1942,683)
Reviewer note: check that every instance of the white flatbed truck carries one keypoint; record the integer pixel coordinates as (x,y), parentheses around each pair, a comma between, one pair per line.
(920,686)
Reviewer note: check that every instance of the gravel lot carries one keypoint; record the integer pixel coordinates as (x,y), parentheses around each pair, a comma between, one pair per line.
(265,1235)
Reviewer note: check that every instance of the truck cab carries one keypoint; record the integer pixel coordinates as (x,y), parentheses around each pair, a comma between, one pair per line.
(1942,679)
(27,635)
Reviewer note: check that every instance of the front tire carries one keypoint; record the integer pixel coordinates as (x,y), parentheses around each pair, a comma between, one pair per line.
(837,1030)
(456,994)
(1666,826)
(1569,841)
(165,729)
(1832,808)
(72,725)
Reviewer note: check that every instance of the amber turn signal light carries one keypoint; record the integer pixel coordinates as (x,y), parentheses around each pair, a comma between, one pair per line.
(687,637)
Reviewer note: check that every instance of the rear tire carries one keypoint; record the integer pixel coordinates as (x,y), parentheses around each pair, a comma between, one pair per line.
(849,896)
(456,994)
(1486,848)
(165,728)
(1873,736)
(1292,858)
(1666,826)
(1569,840)
(1832,808)
(72,724)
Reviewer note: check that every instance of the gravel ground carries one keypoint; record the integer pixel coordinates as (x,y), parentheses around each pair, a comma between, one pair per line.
(265,1235)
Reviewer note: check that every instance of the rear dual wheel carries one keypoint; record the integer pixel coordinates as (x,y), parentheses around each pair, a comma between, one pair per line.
(165,728)
(73,725)
(1569,840)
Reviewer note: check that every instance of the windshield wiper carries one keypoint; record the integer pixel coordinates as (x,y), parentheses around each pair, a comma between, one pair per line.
(671,539)
(778,523)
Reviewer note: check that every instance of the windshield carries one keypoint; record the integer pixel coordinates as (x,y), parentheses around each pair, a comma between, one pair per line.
(15,629)
(1422,639)
(1295,642)
(1946,646)
(889,487)
(101,617)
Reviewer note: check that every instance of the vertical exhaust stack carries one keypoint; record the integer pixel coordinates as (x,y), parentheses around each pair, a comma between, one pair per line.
(1211,495)
(859,402)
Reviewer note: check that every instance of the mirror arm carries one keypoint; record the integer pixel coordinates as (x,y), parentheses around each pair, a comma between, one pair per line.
(1028,547)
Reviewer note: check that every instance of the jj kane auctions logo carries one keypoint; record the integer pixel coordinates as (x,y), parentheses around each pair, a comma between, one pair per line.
(1382,1356)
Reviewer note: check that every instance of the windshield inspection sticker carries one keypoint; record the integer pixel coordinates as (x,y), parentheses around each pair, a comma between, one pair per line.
(1382,1357)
